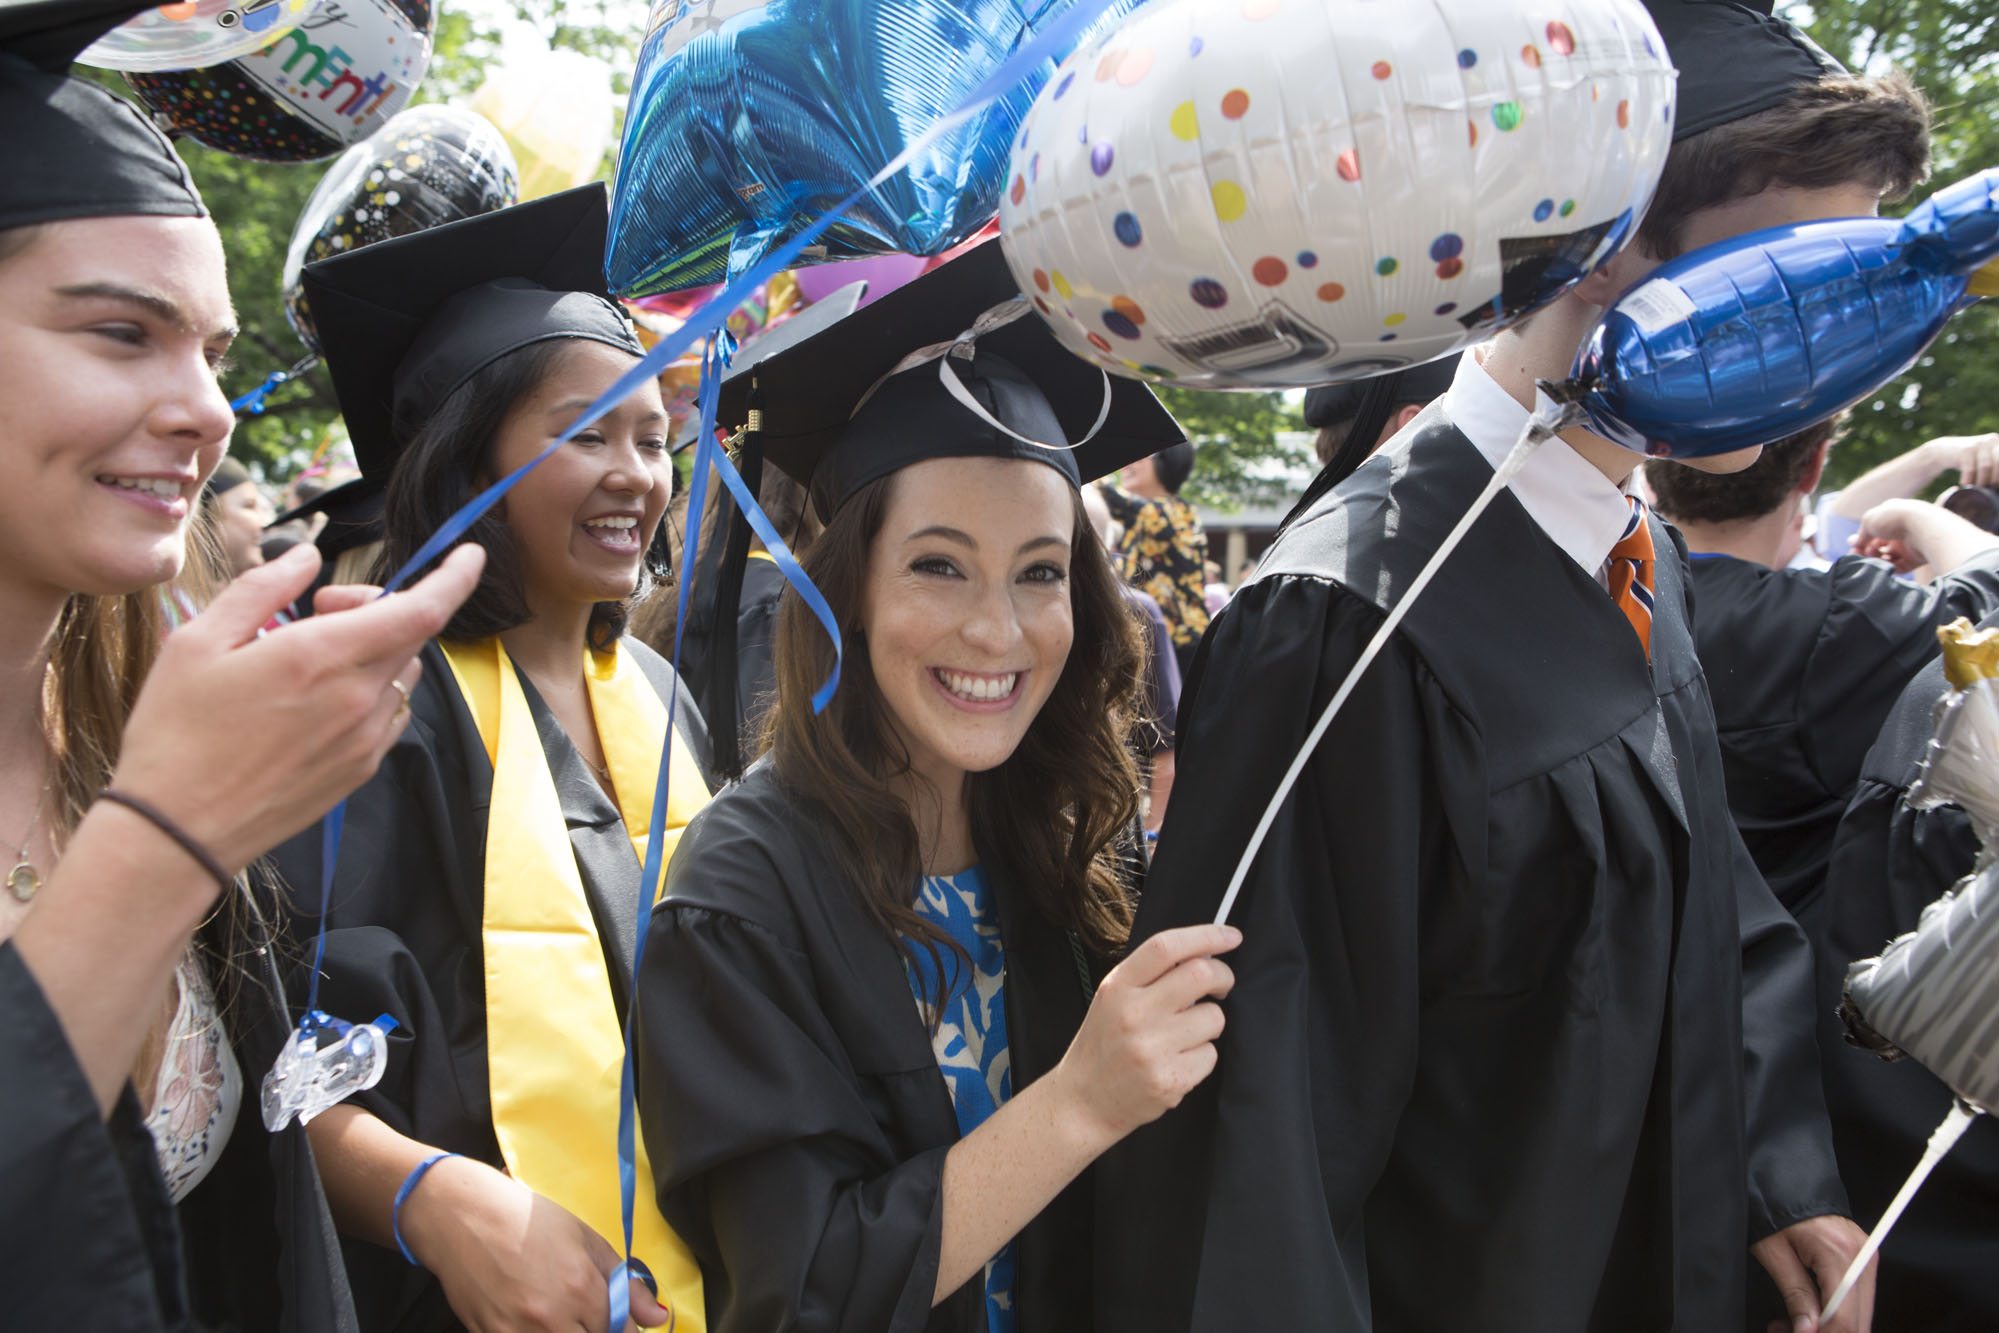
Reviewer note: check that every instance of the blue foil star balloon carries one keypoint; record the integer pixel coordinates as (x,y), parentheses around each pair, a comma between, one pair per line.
(750,118)
(1745,342)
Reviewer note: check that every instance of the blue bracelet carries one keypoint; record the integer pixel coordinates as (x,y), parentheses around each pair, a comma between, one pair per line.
(409,1184)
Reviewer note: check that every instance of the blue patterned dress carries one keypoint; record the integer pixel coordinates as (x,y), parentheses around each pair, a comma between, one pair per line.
(970,1036)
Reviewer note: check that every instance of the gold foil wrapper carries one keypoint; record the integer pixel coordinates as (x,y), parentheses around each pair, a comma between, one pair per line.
(1968,654)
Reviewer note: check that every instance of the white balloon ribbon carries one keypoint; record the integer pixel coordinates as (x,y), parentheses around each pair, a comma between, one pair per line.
(1557,411)
(998,317)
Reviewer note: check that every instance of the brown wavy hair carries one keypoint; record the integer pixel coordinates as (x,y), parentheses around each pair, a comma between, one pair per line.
(1054,817)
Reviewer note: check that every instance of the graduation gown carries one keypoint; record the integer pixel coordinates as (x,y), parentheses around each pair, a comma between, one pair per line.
(792,1105)
(1519,1038)
(87,1231)
(404,932)
(260,1246)
(1804,665)
(1940,1267)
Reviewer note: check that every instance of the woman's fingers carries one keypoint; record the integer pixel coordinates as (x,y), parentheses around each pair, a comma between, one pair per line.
(338,597)
(391,629)
(1194,980)
(1169,948)
(250,600)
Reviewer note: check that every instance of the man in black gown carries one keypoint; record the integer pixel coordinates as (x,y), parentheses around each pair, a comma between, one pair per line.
(1940,1266)
(1804,664)
(1520,1039)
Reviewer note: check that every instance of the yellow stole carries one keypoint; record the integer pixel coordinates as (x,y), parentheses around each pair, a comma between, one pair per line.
(554,1047)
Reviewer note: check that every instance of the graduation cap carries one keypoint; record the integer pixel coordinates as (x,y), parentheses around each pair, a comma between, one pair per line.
(353,512)
(71,149)
(405,322)
(1734,60)
(953,365)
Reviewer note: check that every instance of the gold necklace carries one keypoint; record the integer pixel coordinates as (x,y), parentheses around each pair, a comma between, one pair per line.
(23,881)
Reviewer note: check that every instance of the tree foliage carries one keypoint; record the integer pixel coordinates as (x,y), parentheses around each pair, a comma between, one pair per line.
(1238,458)
(1951,49)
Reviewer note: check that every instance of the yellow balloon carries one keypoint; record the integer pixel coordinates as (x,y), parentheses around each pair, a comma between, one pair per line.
(555,110)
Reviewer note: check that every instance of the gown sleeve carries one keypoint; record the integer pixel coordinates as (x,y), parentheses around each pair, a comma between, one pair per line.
(1260,1208)
(1793,1174)
(85,1223)
(1879,631)
(768,1155)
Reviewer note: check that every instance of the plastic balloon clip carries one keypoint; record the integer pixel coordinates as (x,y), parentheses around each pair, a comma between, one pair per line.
(313,1073)
(252,403)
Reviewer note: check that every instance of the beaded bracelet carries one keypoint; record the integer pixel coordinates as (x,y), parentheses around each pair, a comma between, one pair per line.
(409,1184)
(180,835)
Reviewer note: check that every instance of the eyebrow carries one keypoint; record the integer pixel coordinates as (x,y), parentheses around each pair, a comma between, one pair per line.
(152,302)
(570,408)
(964,538)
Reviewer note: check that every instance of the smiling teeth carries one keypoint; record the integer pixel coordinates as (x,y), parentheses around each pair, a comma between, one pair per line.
(979,689)
(619,524)
(166,490)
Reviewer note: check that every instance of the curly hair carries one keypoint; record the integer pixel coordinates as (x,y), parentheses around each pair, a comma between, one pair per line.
(1844,130)
(1052,815)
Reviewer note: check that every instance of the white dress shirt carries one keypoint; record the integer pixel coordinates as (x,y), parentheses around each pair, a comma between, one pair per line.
(1581,510)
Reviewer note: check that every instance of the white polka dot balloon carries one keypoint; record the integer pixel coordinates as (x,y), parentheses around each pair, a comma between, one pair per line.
(1275,193)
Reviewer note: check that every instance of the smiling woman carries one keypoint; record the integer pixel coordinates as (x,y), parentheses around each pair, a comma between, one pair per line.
(125,809)
(488,882)
(881,1034)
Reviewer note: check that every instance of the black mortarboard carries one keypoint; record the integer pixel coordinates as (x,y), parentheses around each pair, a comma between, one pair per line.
(71,149)
(1734,60)
(353,512)
(405,322)
(228,475)
(1367,405)
(821,423)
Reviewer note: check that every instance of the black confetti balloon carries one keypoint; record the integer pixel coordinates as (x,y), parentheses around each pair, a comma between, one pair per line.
(428,166)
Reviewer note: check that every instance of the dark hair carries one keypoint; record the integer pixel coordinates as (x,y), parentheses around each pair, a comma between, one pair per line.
(1173,465)
(1051,815)
(444,466)
(1689,495)
(1843,130)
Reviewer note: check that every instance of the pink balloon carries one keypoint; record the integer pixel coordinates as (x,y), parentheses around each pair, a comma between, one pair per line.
(882,273)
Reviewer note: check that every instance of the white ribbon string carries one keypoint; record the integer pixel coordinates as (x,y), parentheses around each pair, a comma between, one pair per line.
(1541,427)
(998,317)
(1941,1142)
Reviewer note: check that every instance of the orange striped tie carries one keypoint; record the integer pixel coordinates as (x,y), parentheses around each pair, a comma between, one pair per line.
(1630,573)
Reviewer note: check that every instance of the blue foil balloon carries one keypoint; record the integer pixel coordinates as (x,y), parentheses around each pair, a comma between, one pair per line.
(1745,342)
(750,118)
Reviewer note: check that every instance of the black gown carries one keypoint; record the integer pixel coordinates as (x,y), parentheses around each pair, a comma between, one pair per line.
(1940,1266)
(1804,666)
(87,1231)
(1519,1039)
(405,933)
(792,1106)
(260,1246)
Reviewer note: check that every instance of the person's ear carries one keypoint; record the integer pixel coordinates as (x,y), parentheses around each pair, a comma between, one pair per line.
(1618,274)
(1816,470)
(1402,416)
